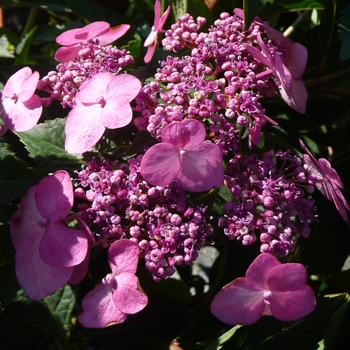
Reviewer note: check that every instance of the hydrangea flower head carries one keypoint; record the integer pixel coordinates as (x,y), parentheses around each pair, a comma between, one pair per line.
(327,180)
(159,21)
(48,253)
(21,108)
(185,156)
(118,295)
(268,288)
(100,31)
(102,102)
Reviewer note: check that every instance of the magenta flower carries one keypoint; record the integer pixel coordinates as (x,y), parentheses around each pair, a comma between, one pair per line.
(102,102)
(269,288)
(287,64)
(151,41)
(71,39)
(48,253)
(184,155)
(21,108)
(327,181)
(118,295)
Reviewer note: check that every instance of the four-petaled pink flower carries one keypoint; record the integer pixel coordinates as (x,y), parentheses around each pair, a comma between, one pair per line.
(71,39)
(21,108)
(268,288)
(102,102)
(185,156)
(151,41)
(327,180)
(48,253)
(119,294)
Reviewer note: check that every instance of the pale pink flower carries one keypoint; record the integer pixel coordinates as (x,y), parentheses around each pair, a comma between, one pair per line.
(119,294)
(184,155)
(71,39)
(102,102)
(327,182)
(159,21)
(268,288)
(48,253)
(21,108)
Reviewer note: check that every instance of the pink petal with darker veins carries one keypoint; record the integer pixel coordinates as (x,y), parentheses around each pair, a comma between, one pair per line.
(286,277)
(56,203)
(37,278)
(187,134)
(201,168)
(99,309)
(22,116)
(236,303)
(258,270)
(24,222)
(123,256)
(63,246)
(126,295)
(161,164)
(294,305)
(28,87)
(83,128)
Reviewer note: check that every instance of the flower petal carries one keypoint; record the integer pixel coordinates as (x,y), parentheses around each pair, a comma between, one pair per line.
(292,306)
(236,303)
(83,128)
(123,256)
(24,222)
(286,277)
(15,82)
(63,246)
(160,164)
(37,278)
(94,88)
(201,168)
(257,271)
(99,309)
(187,134)
(54,196)
(127,297)
(22,116)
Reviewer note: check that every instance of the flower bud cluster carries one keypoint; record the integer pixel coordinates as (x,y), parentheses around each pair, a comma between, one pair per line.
(268,201)
(64,83)
(220,81)
(115,202)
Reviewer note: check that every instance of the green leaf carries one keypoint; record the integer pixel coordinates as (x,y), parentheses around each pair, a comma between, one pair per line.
(251,9)
(61,305)
(22,48)
(217,344)
(35,314)
(344,33)
(4,45)
(15,177)
(179,8)
(45,144)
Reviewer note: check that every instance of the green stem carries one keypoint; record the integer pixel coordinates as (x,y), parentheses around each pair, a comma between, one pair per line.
(30,21)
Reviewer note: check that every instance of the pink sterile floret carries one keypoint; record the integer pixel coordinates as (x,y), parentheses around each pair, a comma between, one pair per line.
(21,108)
(71,39)
(287,63)
(184,155)
(159,21)
(119,294)
(48,253)
(268,288)
(102,102)
(327,180)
